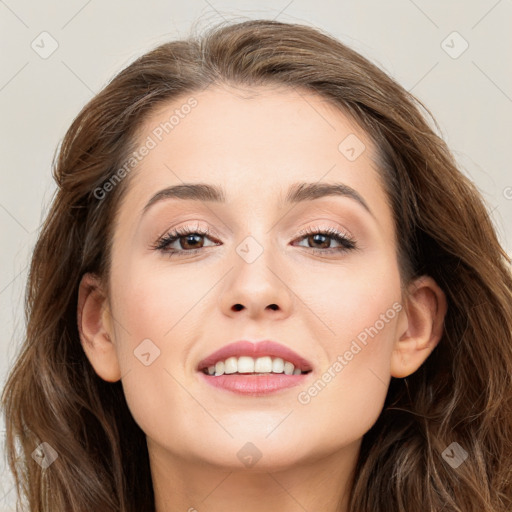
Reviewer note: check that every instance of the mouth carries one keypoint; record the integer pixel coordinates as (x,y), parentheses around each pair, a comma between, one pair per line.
(254,368)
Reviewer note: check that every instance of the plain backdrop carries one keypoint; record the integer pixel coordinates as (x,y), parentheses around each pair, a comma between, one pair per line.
(56,55)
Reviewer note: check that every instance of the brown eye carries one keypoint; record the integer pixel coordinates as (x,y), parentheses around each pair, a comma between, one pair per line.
(321,240)
(183,240)
(192,241)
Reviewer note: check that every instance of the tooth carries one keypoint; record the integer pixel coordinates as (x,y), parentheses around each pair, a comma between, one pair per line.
(231,365)
(288,368)
(219,368)
(278,365)
(263,365)
(245,364)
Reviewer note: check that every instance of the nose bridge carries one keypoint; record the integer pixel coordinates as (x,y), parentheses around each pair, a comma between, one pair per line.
(255,282)
(256,261)
(258,248)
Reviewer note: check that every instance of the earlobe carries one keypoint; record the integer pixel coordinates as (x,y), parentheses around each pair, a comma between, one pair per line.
(95,328)
(425,309)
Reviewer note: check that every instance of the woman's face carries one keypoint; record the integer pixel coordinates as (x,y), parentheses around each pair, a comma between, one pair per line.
(257,275)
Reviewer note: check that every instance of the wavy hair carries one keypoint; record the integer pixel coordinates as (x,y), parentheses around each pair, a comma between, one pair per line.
(462,393)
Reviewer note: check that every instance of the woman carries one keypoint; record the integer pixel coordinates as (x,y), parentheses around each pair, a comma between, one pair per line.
(263,284)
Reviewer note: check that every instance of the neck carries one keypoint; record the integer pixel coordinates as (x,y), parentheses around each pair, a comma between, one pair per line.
(193,486)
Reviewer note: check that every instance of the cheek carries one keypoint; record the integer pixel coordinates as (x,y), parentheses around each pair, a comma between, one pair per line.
(361,310)
(349,392)
(353,299)
(153,298)
(151,305)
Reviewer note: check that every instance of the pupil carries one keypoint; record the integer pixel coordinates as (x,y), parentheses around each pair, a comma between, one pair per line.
(190,239)
(318,239)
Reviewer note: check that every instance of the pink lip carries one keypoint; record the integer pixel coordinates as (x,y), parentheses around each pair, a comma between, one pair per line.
(258,349)
(253,384)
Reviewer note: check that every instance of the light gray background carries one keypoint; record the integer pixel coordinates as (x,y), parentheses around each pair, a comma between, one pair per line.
(469,94)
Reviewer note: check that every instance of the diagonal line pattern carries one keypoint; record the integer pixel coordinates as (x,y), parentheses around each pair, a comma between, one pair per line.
(424,76)
(424,13)
(14,14)
(283,9)
(492,81)
(377,376)
(125,374)
(76,14)
(14,218)
(279,423)
(14,76)
(287,492)
(218,485)
(119,323)
(4,496)
(485,15)
(13,279)
(78,77)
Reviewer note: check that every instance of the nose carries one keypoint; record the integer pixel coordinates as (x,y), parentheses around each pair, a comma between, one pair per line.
(257,289)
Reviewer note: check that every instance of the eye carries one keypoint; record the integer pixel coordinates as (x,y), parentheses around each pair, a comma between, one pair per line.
(320,240)
(184,240)
(188,240)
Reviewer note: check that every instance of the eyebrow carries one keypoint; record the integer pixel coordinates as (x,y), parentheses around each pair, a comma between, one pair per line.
(298,192)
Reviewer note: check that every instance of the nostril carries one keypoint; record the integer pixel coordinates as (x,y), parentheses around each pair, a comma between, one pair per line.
(238,307)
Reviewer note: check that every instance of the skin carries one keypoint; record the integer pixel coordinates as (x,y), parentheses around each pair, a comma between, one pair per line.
(255,146)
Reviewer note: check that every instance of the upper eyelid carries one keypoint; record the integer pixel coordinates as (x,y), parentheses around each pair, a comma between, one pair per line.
(188,228)
(325,229)
(182,230)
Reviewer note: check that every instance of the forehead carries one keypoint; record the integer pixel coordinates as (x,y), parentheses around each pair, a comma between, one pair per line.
(253,143)
(260,136)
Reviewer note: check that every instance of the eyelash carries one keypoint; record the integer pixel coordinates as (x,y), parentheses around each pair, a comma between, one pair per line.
(347,243)
(344,240)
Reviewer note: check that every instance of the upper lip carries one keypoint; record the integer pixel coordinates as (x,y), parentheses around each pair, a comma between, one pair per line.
(256,349)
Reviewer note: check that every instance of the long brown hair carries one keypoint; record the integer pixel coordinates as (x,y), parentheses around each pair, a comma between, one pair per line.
(461,394)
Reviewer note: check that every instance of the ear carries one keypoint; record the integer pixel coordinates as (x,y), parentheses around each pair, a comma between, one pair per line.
(95,328)
(425,310)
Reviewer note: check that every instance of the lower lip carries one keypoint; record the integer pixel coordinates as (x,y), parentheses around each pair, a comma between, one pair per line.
(254,384)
